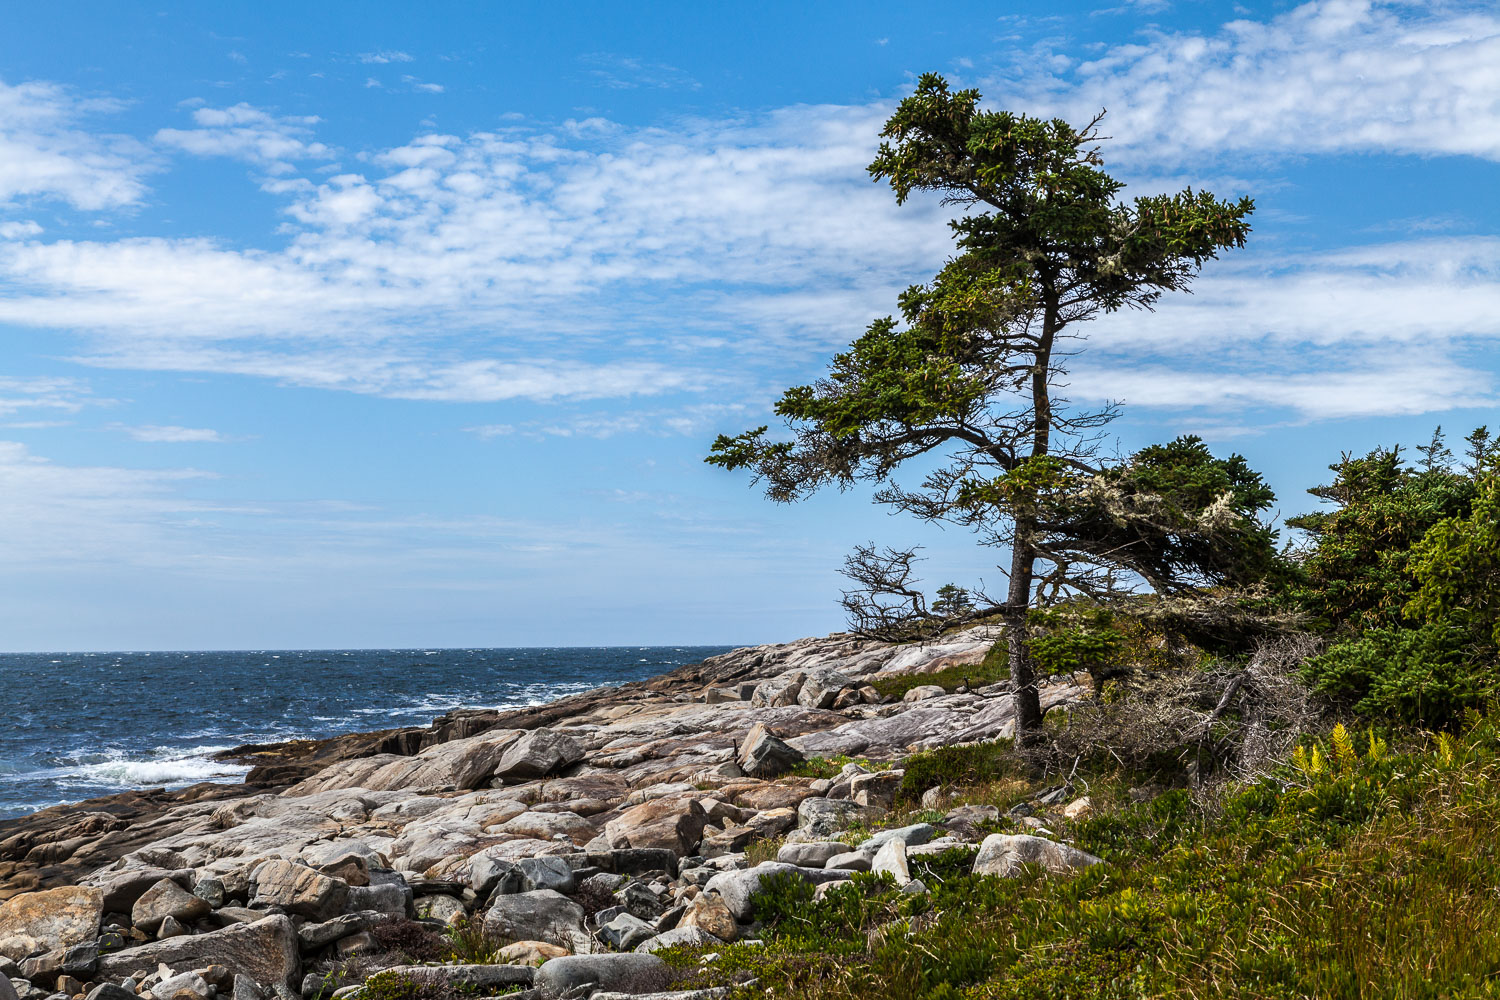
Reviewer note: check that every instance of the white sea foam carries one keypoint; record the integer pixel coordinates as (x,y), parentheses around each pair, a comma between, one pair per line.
(161,767)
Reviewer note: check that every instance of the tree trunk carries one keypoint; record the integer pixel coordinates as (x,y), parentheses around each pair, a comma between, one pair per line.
(1017,631)
(1022,552)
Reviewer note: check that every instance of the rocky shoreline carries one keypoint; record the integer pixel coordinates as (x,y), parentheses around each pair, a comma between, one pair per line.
(589,832)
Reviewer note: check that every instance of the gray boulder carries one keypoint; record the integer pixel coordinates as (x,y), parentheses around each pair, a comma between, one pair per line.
(825,817)
(672,823)
(183,986)
(578,975)
(123,888)
(394,898)
(891,860)
(166,899)
(778,691)
(854,861)
(266,951)
(298,889)
(821,688)
(763,755)
(910,836)
(491,875)
(624,931)
(537,754)
(106,991)
(547,872)
(541,915)
(311,937)
(691,937)
(811,855)
(1004,854)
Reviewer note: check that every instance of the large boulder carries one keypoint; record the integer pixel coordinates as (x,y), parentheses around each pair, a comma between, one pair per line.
(821,688)
(166,899)
(580,975)
(50,919)
(266,951)
(709,912)
(891,860)
(811,855)
(542,915)
(691,937)
(537,754)
(298,889)
(825,817)
(778,691)
(1004,854)
(124,886)
(765,755)
(910,836)
(674,823)
(878,789)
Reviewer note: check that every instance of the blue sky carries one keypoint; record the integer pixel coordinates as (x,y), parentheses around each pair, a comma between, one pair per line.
(391,324)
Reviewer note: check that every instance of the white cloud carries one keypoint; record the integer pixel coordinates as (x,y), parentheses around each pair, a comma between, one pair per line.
(427,88)
(1327,76)
(167,434)
(619,72)
(387,56)
(45,153)
(1399,387)
(595,260)
(493,266)
(29,394)
(247,133)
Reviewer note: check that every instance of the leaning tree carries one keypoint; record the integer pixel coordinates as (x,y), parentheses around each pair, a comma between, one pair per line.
(968,377)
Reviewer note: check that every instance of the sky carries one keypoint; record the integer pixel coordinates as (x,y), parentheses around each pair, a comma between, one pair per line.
(387,324)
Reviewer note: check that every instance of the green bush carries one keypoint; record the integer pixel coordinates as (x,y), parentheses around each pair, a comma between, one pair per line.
(1425,676)
(970,764)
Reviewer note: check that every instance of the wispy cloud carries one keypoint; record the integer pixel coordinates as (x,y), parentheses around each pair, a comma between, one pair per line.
(47,153)
(274,143)
(426,88)
(64,395)
(1327,76)
(384,56)
(515,263)
(167,434)
(629,73)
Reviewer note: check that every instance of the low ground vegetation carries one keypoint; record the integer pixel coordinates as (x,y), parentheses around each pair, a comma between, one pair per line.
(1358,869)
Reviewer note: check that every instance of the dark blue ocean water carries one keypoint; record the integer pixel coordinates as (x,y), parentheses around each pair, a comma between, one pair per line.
(77,725)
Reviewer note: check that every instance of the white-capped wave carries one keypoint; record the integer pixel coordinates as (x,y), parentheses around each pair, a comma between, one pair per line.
(164,766)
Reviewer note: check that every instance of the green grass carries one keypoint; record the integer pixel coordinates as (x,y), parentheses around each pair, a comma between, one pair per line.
(829,767)
(1355,874)
(994,667)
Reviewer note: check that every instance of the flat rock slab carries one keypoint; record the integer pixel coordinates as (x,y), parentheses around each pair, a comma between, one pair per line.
(266,951)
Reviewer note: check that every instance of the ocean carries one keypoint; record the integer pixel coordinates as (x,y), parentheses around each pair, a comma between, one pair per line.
(78,725)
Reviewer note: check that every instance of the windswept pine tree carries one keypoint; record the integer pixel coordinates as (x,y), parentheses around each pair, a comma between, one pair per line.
(967,377)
